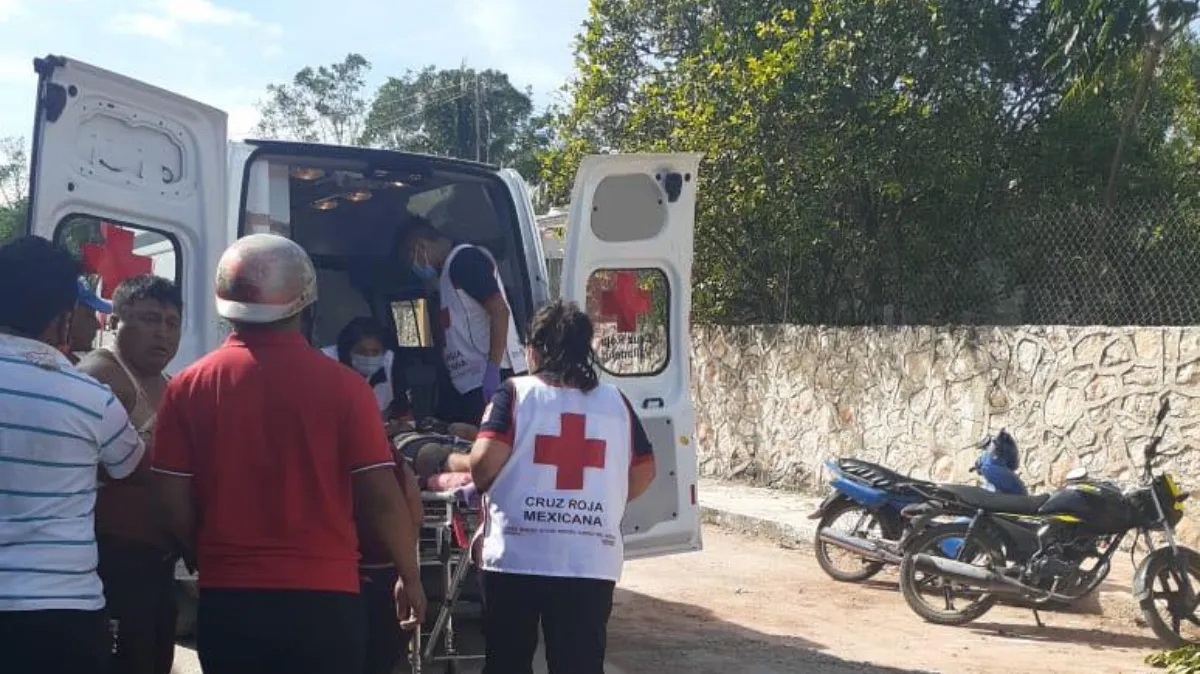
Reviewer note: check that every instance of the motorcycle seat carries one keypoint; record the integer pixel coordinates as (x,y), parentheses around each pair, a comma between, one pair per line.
(874,474)
(1012,504)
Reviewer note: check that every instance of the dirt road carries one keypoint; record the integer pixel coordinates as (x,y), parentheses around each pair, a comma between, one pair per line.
(748,606)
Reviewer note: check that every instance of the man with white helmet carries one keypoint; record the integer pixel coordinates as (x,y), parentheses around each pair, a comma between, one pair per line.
(266,449)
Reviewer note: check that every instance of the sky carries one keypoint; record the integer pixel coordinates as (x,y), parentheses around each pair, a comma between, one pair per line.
(225,52)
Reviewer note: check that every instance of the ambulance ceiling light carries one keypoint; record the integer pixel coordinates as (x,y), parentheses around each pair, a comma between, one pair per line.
(326,204)
(358,195)
(307,173)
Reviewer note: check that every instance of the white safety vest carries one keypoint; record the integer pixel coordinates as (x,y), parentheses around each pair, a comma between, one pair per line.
(467,330)
(384,394)
(555,508)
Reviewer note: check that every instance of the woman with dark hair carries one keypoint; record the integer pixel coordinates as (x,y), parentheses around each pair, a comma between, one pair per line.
(558,456)
(362,345)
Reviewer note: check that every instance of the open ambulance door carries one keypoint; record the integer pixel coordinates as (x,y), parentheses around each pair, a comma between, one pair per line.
(628,260)
(131,178)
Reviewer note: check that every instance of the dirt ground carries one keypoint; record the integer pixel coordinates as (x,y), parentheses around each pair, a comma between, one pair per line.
(748,606)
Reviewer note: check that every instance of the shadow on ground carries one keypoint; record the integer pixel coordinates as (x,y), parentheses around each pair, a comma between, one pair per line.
(1097,639)
(647,634)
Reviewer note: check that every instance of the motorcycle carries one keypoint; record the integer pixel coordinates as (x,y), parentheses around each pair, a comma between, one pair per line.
(1078,530)
(874,497)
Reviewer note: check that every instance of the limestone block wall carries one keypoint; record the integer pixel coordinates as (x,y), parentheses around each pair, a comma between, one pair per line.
(774,402)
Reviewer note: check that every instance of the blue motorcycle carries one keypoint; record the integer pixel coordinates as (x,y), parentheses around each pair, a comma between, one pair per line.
(872,496)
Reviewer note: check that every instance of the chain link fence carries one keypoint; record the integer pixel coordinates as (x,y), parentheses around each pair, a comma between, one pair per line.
(1137,263)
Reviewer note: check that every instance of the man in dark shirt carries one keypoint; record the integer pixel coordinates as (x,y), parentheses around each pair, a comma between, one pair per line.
(479,340)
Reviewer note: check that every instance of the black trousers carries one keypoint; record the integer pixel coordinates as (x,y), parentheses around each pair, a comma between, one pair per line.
(55,642)
(139,592)
(279,632)
(574,617)
(466,407)
(386,642)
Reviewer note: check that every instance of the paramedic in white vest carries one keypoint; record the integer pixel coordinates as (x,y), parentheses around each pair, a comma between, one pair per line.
(558,456)
(480,344)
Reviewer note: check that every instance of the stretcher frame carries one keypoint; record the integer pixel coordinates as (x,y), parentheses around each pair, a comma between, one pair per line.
(447,528)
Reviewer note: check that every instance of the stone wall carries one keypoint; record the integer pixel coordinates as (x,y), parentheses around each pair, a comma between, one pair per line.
(774,402)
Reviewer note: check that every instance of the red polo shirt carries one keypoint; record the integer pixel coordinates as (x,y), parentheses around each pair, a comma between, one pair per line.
(270,430)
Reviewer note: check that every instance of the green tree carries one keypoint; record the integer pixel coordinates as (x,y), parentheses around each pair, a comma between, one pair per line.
(458,113)
(1093,40)
(14,186)
(861,158)
(326,104)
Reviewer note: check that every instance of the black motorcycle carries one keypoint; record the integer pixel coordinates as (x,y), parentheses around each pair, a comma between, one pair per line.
(1080,528)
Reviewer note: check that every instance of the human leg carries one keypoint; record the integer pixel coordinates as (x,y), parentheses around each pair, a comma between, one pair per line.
(55,642)
(576,624)
(131,573)
(510,622)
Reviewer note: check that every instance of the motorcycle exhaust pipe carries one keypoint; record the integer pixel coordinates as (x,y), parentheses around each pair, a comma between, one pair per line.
(980,578)
(862,547)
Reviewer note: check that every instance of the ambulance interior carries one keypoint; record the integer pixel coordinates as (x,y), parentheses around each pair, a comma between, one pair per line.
(351,213)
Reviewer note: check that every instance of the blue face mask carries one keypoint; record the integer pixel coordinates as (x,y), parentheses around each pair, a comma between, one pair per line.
(424,272)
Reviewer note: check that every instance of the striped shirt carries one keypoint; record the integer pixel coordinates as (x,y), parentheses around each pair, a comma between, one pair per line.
(57,426)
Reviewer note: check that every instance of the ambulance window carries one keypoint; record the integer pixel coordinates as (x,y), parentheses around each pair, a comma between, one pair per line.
(412,323)
(629,308)
(110,252)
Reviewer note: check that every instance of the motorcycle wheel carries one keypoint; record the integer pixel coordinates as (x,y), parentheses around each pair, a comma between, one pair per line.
(870,522)
(1158,572)
(912,580)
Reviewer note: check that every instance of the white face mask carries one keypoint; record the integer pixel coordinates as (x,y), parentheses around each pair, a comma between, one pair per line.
(366,365)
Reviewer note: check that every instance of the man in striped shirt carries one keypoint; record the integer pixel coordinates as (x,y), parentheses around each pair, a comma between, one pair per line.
(58,427)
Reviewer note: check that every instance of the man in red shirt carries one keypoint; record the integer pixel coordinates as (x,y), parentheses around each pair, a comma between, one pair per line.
(265,448)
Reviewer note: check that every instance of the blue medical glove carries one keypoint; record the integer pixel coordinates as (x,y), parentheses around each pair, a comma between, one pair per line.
(491,381)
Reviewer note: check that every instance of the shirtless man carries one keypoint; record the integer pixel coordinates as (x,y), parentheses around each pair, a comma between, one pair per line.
(137,558)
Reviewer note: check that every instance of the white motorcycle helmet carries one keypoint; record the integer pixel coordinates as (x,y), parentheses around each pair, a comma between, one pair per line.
(264,278)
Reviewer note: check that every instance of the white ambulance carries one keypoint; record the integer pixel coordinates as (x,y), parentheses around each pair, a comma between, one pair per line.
(113,156)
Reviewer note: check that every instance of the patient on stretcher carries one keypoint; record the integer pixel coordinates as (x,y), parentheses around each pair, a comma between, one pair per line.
(438,453)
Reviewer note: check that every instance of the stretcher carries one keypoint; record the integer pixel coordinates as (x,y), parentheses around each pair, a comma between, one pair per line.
(449,524)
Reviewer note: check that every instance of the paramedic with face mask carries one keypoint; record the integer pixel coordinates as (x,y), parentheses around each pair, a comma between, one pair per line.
(480,346)
(266,450)
(362,346)
(558,456)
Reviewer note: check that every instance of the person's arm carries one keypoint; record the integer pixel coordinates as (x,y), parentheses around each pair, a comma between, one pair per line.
(642,467)
(493,444)
(412,495)
(474,273)
(121,449)
(368,457)
(107,372)
(173,461)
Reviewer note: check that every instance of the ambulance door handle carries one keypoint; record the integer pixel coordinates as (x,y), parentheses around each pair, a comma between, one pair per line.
(653,403)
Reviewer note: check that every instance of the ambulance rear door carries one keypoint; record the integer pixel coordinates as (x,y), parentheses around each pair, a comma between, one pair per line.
(131,178)
(628,261)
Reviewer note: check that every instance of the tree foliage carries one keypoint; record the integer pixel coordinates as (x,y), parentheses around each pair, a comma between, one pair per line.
(14,186)
(864,158)
(327,104)
(460,112)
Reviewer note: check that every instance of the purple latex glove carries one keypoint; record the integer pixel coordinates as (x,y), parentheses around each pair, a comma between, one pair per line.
(469,495)
(491,381)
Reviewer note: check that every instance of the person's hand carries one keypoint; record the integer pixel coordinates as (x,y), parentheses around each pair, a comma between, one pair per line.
(410,604)
(491,381)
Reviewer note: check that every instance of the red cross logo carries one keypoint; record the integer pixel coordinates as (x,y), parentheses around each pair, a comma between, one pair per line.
(570,452)
(625,301)
(114,260)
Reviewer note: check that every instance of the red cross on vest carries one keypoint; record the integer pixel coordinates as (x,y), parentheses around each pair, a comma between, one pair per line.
(625,301)
(114,260)
(570,451)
